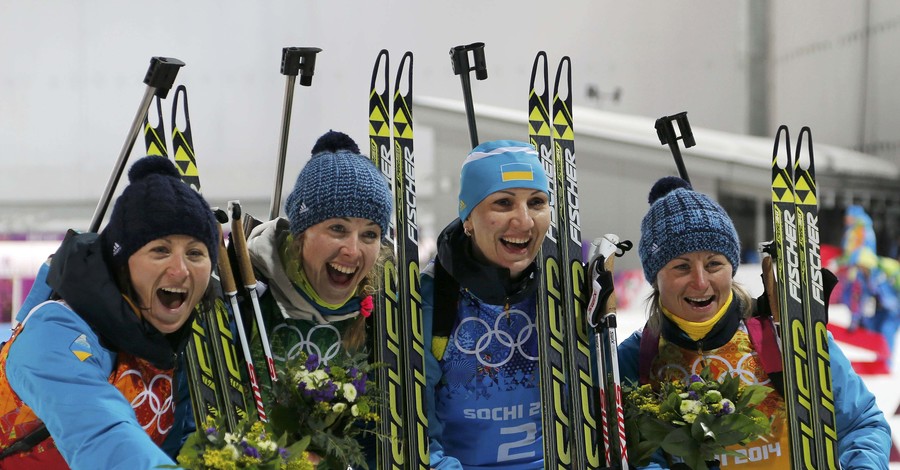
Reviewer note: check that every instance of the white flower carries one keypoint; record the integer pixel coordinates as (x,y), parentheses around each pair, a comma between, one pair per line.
(231,438)
(689,407)
(349,392)
(354,410)
(235,454)
(319,377)
(269,446)
(339,407)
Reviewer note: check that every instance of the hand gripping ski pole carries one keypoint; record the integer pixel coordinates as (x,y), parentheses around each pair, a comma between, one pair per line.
(246,269)
(159,79)
(230,290)
(459,56)
(666,132)
(294,61)
(602,317)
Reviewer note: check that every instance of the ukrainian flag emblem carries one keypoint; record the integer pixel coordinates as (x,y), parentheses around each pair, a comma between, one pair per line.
(516,172)
(81,348)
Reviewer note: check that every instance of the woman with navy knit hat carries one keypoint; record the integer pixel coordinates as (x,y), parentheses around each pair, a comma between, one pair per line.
(318,264)
(700,317)
(479,299)
(96,367)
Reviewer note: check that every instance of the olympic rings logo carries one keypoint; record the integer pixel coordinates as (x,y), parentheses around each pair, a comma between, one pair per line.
(505,338)
(151,399)
(306,343)
(716,362)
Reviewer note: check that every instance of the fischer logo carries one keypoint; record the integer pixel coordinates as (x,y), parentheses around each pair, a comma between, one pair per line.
(815,259)
(547,163)
(572,197)
(412,227)
(790,249)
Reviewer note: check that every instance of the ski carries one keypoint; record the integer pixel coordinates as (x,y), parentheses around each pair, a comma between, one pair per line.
(794,333)
(551,302)
(814,295)
(580,378)
(388,349)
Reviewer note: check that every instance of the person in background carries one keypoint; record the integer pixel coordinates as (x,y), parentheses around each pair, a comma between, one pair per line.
(95,368)
(479,298)
(689,252)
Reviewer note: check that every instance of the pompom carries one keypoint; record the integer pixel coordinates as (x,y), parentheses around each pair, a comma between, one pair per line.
(152,165)
(334,141)
(665,186)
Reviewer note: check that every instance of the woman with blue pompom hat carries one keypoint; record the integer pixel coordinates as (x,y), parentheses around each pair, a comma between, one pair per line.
(96,368)
(699,317)
(479,300)
(318,263)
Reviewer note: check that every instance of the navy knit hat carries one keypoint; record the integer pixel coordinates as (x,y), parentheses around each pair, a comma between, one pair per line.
(338,182)
(496,165)
(155,204)
(681,220)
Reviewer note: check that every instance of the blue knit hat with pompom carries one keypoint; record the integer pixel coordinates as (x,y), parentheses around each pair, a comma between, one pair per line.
(338,182)
(681,220)
(156,204)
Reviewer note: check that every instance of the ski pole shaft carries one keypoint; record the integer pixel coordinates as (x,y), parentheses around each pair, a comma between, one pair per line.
(295,61)
(246,268)
(230,290)
(459,56)
(159,79)
(665,130)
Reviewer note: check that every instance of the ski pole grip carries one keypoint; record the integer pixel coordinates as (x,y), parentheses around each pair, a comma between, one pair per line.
(459,57)
(161,74)
(299,61)
(226,276)
(665,130)
(240,245)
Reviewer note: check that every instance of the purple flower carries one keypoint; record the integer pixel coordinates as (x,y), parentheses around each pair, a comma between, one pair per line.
(211,430)
(312,362)
(353,372)
(695,378)
(250,450)
(360,384)
(693,395)
(283,453)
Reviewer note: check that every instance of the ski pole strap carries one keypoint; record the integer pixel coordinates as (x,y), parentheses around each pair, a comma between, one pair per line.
(28,442)
(648,351)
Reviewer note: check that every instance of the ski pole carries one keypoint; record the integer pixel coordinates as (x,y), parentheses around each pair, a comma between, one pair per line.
(159,78)
(246,268)
(230,291)
(666,133)
(602,317)
(459,56)
(294,61)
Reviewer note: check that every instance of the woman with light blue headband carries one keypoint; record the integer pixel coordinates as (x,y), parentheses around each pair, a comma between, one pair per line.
(700,317)
(479,298)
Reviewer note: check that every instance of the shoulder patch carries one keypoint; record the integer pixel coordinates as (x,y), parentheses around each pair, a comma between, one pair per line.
(81,348)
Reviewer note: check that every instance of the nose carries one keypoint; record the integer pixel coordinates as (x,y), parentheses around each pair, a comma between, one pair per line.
(699,278)
(522,216)
(350,247)
(177,266)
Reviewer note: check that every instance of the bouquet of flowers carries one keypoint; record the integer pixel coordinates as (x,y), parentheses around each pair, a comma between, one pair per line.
(250,446)
(331,405)
(694,420)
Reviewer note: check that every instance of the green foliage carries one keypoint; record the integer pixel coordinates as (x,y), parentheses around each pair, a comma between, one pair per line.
(694,420)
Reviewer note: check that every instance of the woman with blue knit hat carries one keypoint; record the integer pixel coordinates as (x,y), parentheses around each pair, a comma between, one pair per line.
(88,380)
(699,317)
(318,263)
(479,299)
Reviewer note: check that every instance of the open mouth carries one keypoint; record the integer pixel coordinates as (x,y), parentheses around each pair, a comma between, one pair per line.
(171,297)
(340,274)
(515,243)
(700,302)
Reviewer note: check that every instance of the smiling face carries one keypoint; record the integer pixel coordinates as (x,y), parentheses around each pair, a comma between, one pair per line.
(508,227)
(169,276)
(337,254)
(694,286)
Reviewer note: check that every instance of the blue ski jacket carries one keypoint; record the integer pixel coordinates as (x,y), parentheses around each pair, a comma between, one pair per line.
(61,362)
(864,437)
(482,379)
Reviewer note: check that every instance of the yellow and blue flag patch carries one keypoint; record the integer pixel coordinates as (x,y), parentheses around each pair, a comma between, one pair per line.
(516,172)
(81,348)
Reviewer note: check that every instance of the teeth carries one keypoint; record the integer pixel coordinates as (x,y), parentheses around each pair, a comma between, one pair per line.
(342,269)
(174,290)
(516,240)
(701,299)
